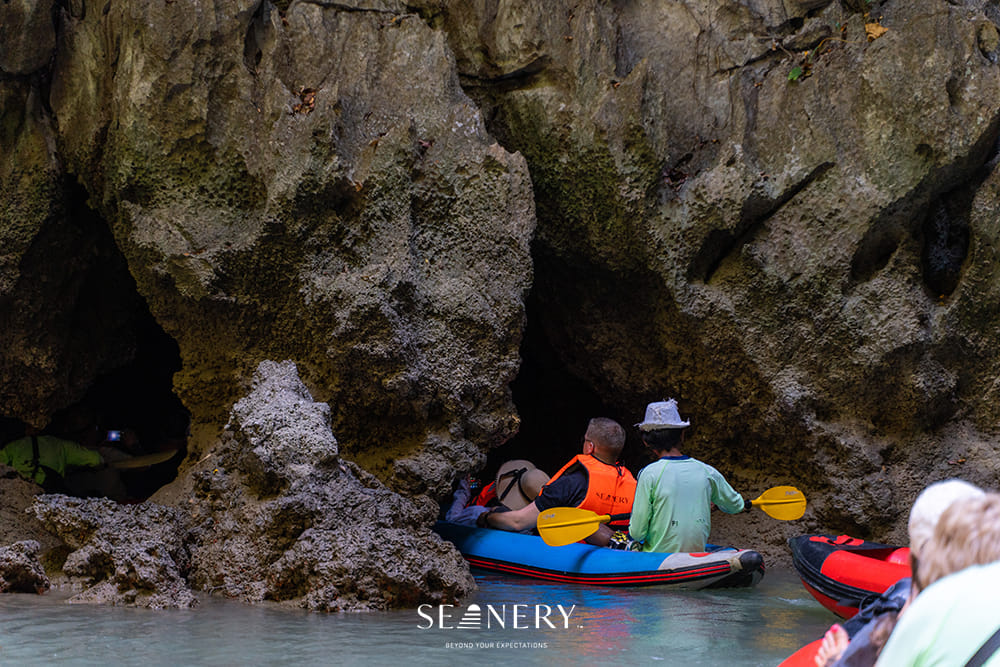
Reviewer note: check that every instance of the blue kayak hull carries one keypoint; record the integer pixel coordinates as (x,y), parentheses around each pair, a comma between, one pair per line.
(529,556)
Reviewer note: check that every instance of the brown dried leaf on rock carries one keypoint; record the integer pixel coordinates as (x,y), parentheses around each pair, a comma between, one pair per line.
(874,31)
(308,101)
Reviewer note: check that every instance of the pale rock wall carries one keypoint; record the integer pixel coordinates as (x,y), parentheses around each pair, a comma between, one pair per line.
(808,265)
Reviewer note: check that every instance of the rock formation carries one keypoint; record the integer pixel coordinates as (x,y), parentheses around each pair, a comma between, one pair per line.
(122,554)
(782,212)
(271,513)
(802,224)
(20,569)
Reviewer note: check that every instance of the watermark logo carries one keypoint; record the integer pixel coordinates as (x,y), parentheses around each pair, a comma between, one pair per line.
(492,617)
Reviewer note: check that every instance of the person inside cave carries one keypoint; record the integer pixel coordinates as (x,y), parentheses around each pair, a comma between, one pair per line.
(116,447)
(80,424)
(87,456)
(140,463)
(47,459)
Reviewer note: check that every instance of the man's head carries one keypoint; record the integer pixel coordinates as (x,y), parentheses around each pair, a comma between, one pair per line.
(929,506)
(604,439)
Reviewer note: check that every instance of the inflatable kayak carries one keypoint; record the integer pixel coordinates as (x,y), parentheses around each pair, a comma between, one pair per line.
(804,657)
(529,556)
(840,572)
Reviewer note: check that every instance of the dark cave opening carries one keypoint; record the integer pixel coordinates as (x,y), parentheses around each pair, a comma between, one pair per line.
(135,403)
(555,406)
(129,412)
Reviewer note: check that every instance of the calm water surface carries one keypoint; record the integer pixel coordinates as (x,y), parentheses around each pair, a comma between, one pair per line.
(760,626)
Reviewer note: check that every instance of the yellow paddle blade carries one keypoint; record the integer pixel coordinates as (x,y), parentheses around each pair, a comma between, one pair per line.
(559,526)
(782,502)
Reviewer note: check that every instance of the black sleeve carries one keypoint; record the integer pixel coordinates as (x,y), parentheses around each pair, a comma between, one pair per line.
(567,491)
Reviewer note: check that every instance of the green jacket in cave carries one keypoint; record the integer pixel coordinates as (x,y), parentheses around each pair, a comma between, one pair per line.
(54,456)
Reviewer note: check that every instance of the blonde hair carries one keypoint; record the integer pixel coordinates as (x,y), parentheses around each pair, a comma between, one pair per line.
(968,533)
(929,505)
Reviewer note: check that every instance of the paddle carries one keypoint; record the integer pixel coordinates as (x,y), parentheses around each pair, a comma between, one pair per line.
(559,526)
(782,502)
(146,460)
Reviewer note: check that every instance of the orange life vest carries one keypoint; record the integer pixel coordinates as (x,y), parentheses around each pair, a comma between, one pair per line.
(488,493)
(610,488)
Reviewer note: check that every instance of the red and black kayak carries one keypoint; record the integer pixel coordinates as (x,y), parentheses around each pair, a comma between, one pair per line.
(840,572)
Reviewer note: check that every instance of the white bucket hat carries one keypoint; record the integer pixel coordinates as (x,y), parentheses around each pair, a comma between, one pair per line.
(662,414)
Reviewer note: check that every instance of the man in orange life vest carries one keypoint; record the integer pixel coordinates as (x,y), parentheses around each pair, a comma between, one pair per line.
(593,480)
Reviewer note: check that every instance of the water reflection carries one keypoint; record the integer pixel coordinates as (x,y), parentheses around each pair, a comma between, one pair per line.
(757,626)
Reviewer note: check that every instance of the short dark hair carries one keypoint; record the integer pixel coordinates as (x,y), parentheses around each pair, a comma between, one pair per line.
(663,439)
(607,435)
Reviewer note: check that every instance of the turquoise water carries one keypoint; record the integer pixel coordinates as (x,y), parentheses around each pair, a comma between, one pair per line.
(759,626)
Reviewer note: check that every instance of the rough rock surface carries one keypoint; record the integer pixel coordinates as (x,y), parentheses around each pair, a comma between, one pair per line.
(277,515)
(756,207)
(133,555)
(808,265)
(20,569)
(16,519)
(271,202)
(274,202)
(271,514)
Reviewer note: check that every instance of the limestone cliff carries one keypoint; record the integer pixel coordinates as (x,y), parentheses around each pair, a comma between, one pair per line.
(782,212)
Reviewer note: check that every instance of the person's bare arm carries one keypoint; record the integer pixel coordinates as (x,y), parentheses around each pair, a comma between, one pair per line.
(602,537)
(517,520)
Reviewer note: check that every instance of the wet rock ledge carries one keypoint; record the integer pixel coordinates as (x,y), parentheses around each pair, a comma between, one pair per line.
(271,513)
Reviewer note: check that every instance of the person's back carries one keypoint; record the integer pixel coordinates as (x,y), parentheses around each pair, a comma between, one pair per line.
(675,493)
(948,621)
(44,459)
(680,493)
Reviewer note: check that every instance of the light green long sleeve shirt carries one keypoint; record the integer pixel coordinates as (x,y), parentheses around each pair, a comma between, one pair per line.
(947,622)
(53,452)
(673,501)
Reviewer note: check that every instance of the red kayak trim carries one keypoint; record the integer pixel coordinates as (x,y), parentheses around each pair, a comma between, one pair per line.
(577,563)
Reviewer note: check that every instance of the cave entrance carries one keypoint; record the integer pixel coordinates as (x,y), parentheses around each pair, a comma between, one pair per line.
(133,415)
(554,405)
(129,411)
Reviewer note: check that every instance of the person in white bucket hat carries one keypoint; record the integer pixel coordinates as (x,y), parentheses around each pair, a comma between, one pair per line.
(675,493)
